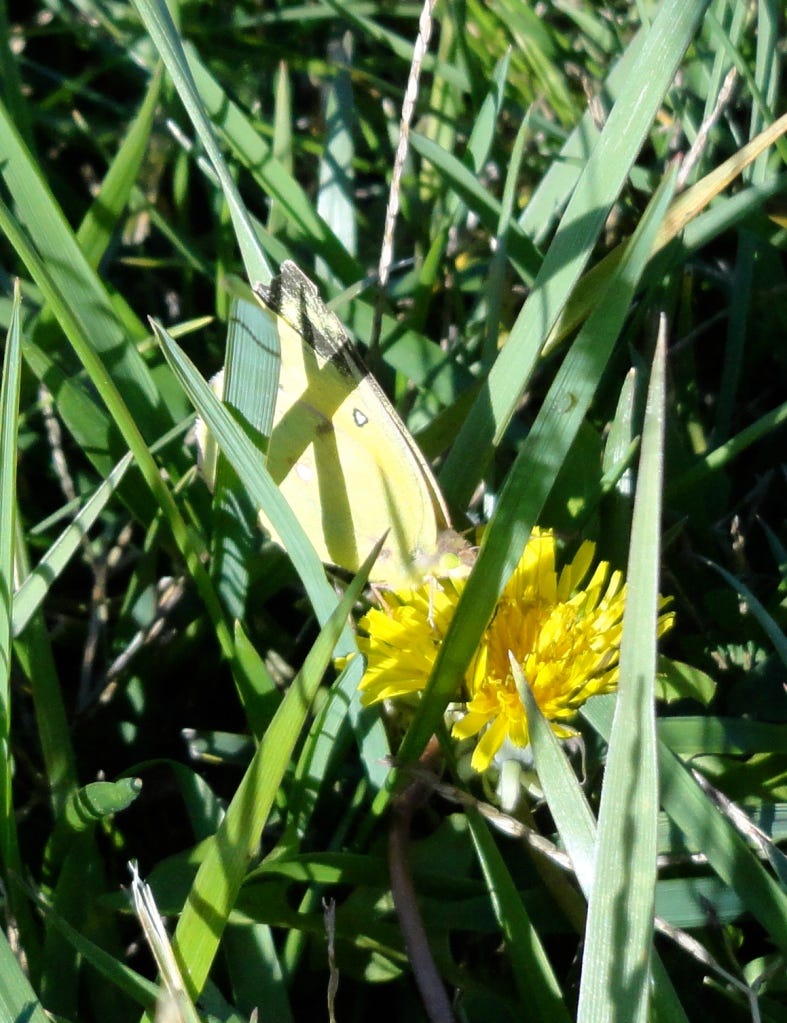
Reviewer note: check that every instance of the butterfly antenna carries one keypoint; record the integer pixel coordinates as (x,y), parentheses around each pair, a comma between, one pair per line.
(408,106)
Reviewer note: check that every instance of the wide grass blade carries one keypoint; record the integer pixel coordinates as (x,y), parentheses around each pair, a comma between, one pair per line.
(604,175)
(616,972)
(221,873)
(706,828)
(534,472)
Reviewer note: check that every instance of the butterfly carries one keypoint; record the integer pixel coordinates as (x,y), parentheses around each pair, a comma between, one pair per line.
(342,457)
(340,454)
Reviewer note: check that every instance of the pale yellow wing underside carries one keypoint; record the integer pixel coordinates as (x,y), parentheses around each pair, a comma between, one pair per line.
(341,455)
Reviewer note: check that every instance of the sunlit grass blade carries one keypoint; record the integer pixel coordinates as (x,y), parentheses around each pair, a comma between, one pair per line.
(17,997)
(162,31)
(335,197)
(248,464)
(604,175)
(282,145)
(534,472)
(616,972)
(222,871)
(248,384)
(568,805)
(536,983)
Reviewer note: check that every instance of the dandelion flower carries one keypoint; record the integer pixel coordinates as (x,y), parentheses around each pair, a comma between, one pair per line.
(563,632)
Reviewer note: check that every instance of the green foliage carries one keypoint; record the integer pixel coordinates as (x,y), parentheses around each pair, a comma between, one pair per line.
(147,629)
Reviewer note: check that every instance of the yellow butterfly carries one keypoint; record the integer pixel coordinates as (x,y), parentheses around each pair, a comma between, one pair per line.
(342,457)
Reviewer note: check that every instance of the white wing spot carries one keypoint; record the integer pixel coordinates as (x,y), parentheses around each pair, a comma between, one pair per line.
(360,418)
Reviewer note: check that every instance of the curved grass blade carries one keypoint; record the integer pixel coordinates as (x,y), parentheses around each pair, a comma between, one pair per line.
(157,20)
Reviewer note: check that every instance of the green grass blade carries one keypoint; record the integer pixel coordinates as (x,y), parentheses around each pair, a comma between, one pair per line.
(534,472)
(18,1000)
(9,403)
(603,177)
(33,652)
(616,973)
(10,860)
(140,990)
(248,464)
(536,983)
(36,586)
(222,871)
(96,230)
(567,803)
(250,382)
(336,190)
(159,24)
(282,146)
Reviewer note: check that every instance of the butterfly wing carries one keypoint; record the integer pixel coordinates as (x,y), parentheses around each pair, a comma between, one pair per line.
(343,458)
